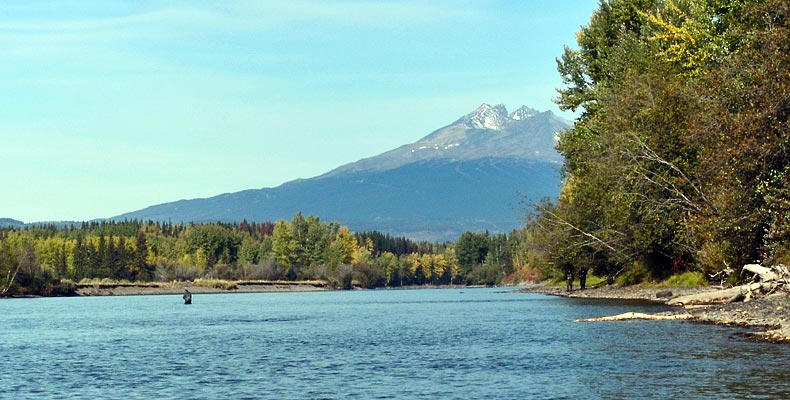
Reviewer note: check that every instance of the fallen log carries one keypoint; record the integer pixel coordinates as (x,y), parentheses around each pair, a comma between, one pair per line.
(720,296)
(636,315)
(765,274)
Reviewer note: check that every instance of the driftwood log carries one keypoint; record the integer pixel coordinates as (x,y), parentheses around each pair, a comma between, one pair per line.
(765,280)
(636,315)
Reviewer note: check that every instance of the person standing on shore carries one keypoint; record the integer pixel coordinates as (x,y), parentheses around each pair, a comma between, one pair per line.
(583,278)
(569,279)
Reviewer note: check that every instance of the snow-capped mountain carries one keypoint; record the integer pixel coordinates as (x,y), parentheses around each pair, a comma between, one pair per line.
(523,113)
(487,117)
(471,175)
(488,131)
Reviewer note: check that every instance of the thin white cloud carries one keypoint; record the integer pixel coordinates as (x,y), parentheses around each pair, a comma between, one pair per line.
(183,29)
(37,38)
(381,14)
(166,15)
(241,16)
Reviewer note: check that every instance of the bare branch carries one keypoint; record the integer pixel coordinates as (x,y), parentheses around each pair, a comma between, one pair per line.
(560,221)
(10,279)
(648,154)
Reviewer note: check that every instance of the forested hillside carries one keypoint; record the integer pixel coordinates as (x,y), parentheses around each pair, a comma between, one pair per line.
(425,200)
(47,260)
(679,160)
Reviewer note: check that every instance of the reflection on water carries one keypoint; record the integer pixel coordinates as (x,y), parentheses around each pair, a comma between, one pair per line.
(434,343)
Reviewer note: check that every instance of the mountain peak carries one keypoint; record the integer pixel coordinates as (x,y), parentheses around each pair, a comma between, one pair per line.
(487,132)
(487,117)
(523,113)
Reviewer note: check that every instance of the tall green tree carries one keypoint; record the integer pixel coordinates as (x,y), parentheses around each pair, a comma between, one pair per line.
(683,122)
(140,267)
(284,244)
(79,259)
(472,249)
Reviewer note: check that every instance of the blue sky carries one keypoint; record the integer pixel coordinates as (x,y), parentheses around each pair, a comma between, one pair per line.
(112,106)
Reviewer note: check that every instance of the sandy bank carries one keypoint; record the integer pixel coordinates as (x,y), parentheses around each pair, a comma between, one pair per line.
(769,315)
(137,289)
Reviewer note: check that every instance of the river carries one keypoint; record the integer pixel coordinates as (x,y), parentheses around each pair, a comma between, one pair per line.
(380,344)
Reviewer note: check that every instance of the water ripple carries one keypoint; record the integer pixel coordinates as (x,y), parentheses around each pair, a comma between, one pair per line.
(417,344)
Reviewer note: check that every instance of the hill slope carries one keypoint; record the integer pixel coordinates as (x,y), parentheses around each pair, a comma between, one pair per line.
(10,223)
(469,175)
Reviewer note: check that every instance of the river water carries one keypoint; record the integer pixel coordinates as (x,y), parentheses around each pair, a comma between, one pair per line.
(382,344)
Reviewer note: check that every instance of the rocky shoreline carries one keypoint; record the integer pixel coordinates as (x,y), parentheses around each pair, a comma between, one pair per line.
(768,315)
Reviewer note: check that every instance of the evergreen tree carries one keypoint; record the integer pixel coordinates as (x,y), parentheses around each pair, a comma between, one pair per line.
(141,269)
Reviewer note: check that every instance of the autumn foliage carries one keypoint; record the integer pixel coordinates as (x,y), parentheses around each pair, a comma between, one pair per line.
(679,158)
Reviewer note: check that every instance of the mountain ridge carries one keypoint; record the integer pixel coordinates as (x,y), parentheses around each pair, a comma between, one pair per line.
(469,175)
(10,223)
(485,132)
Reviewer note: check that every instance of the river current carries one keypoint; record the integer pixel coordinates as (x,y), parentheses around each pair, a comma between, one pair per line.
(381,344)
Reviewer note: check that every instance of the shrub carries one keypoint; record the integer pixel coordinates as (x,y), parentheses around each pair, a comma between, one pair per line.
(529,275)
(687,279)
(171,271)
(482,274)
(268,269)
(638,273)
(342,277)
(216,283)
(369,275)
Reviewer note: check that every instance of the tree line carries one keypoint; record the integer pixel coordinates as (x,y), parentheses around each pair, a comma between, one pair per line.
(679,158)
(40,259)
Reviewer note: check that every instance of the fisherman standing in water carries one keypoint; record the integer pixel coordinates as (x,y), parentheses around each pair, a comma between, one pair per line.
(187,297)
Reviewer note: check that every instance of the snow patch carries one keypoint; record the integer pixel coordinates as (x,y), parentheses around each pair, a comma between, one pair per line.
(487,117)
(523,113)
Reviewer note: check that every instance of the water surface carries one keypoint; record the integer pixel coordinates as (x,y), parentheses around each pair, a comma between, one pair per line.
(383,344)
